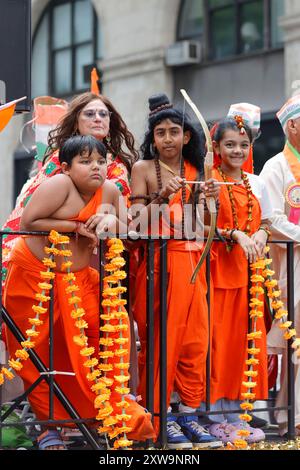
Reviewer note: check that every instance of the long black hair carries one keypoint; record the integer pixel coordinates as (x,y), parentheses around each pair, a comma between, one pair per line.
(230,123)
(161,109)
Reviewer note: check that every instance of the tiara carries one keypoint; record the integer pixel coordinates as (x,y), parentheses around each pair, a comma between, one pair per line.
(160,108)
(240,123)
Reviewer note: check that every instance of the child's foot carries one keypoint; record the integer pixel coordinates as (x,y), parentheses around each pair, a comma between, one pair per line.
(197,434)
(176,438)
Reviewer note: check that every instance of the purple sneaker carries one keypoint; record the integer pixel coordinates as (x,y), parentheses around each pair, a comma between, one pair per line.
(228,432)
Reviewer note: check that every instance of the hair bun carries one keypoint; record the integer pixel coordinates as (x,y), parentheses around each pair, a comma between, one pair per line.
(158,103)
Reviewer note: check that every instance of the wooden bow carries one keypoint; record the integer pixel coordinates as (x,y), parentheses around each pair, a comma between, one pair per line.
(208,167)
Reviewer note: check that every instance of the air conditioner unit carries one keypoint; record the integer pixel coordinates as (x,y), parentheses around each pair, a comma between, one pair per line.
(183,53)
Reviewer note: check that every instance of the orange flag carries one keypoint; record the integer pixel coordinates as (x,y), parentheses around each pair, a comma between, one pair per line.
(94,82)
(7,111)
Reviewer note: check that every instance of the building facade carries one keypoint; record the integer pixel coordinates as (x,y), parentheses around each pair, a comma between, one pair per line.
(220,51)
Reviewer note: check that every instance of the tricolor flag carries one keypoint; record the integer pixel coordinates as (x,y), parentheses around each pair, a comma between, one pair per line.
(7,111)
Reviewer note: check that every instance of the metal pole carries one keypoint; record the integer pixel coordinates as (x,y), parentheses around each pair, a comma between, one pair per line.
(51,351)
(150,327)
(290,364)
(208,362)
(163,342)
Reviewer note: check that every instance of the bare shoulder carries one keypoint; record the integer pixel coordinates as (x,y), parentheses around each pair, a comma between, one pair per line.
(61,184)
(143,165)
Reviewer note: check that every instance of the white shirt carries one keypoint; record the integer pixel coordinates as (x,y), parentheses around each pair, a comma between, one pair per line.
(260,191)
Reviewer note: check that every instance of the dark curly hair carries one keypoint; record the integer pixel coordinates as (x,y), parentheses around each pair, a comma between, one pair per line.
(161,109)
(119,133)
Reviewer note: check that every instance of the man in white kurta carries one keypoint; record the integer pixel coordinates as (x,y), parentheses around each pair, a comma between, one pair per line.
(282,177)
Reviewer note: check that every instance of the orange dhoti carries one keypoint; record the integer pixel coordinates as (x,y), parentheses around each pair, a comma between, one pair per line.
(187,326)
(19,297)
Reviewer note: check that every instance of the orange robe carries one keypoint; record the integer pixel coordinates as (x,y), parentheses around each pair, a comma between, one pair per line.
(21,287)
(231,305)
(187,320)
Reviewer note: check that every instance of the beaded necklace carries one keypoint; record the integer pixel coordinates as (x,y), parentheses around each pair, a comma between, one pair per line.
(232,203)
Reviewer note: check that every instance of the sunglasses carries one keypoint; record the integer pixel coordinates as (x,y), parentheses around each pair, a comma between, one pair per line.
(91,113)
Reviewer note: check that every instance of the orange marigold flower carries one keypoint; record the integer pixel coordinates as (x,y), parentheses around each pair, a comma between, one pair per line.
(121,340)
(107,381)
(91,376)
(108,328)
(243,433)
(256,303)
(248,396)
(266,249)
(246,406)
(1,379)
(54,237)
(74,300)
(276,293)
(28,344)
(251,373)
(257,278)
(252,362)
(42,297)
(296,343)
(281,314)
(47,275)
(285,325)
(22,354)
(121,327)
(87,351)
(119,262)
(240,444)
(78,313)
(122,365)
(121,352)
(39,310)
(122,404)
(123,417)
(45,285)
(100,399)
(17,365)
(106,354)
(122,390)
(69,277)
(35,321)
(256,314)
(254,335)
(114,433)
(49,263)
(245,417)
(66,253)
(122,378)
(253,351)
(7,373)
(99,385)
(51,250)
(110,421)
(271,283)
(249,384)
(268,273)
(80,340)
(104,412)
(106,342)
(289,334)
(32,333)
(122,443)
(125,429)
(72,288)
(105,367)
(81,324)
(276,304)
(66,265)
(120,274)
(107,316)
(260,264)
(256,290)
(103,429)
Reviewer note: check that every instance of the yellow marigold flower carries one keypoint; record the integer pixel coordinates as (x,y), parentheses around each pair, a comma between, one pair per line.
(110,421)
(248,396)
(256,303)
(114,433)
(276,294)
(271,283)
(45,285)
(47,275)
(285,325)
(114,241)
(246,406)
(28,344)
(80,340)
(66,265)
(22,354)
(109,267)
(32,333)
(120,302)
(260,264)
(74,300)
(107,316)
(99,385)
(257,278)
(66,253)
(100,399)
(54,237)
(289,334)
(266,249)
(105,367)
(106,342)
(116,251)
(251,373)
(42,297)
(256,314)
(49,263)
(252,362)
(104,412)
(121,352)
(240,444)
(17,365)
(35,321)
(91,376)
(78,313)
(103,429)
(108,303)
(296,343)
(72,288)
(109,292)
(64,240)
(107,381)
(121,327)
(93,362)
(256,290)
(122,443)
(7,373)
(276,304)
(108,328)
(122,390)
(51,250)
(120,274)
(121,340)
(125,429)
(122,378)
(69,277)
(245,417)
(268,261)
(81,324)
(280,314)
(106,354)
(253,351)
(122,315)
(243,433)
(39,310)
(87,351)
(249,384)
(122,365)
(122,404)
(254,335)
(111,279)
(118,261)
(1,379)
(268,273)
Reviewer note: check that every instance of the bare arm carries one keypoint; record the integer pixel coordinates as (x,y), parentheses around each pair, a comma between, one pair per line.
(46,200)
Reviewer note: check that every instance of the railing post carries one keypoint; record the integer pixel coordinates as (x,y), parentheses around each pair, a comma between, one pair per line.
(208,362)
(290,364)
(150,327)
(163,342)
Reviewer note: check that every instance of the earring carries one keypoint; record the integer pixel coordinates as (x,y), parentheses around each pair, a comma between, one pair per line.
(108,139)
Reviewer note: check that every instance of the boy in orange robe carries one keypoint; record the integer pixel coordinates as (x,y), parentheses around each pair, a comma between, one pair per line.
(242,218)
(67,202)
(171,155)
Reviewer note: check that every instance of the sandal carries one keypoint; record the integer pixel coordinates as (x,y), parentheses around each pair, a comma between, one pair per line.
(50,438)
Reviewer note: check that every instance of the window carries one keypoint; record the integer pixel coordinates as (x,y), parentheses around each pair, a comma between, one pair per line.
(232,27)
(66,45)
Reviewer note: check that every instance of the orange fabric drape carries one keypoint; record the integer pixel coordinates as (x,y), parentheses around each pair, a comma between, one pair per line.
(230,316)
